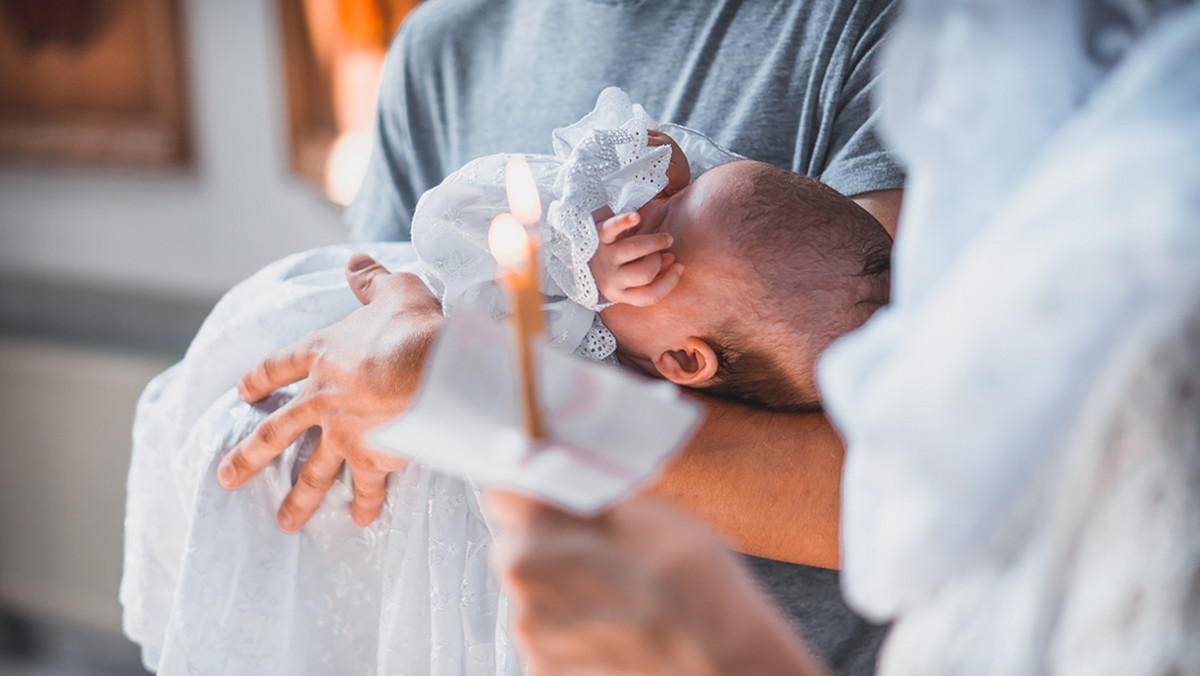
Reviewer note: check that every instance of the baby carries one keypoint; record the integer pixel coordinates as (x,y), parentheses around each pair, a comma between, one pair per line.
(731,283)
(778,265)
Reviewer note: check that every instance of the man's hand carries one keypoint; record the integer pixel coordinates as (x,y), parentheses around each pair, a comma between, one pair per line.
(362,371)
(643,589)
(633,267)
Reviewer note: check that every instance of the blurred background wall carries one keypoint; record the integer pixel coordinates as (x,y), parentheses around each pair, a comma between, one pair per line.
(104,274)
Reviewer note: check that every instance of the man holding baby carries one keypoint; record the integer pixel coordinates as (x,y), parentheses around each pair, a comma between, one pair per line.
(788,84)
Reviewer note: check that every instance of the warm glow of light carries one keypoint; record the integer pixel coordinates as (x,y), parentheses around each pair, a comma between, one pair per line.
(523,198)
(346,166)
(509,242)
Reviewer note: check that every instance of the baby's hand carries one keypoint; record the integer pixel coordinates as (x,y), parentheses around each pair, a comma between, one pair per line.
(678,173)
(634,268)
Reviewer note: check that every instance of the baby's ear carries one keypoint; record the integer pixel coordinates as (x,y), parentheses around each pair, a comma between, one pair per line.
(689,365)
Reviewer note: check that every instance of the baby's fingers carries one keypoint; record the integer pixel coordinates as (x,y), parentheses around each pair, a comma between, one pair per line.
(632,248)
(656,290)
(640,272)
(613,227)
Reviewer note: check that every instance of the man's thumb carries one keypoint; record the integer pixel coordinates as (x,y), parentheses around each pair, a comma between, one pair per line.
(363,273)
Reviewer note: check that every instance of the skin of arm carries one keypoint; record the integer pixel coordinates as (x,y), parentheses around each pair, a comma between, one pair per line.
(884,205)
(768,482)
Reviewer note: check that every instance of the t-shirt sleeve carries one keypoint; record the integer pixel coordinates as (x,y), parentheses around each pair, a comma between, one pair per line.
(400,168)
(859,161)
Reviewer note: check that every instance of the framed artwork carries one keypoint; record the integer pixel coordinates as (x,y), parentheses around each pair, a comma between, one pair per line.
(333,55)
(93,81)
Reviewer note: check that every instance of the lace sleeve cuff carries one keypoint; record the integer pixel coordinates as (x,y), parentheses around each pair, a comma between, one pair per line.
(606,162)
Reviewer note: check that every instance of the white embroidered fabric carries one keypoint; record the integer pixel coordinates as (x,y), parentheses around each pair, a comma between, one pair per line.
(212,586)
(602,160)
(1022,482)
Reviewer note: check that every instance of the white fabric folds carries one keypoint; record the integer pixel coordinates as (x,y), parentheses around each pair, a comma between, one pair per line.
(1019,414)
(211,585)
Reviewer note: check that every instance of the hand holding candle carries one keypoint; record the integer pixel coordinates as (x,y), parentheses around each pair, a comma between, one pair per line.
(516,251)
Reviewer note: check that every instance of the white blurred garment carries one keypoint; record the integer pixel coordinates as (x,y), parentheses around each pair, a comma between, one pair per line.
(212,586)
(1022,482)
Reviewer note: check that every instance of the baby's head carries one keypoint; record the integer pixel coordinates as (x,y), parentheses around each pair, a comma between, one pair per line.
(776,266)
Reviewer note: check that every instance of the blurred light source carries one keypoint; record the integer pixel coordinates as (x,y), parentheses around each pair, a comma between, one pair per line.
(347,165)
(333,57)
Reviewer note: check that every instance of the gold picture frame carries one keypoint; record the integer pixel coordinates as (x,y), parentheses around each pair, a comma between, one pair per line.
(93,81)
(333,52)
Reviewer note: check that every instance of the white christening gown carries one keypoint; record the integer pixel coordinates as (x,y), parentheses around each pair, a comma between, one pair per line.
(212,586)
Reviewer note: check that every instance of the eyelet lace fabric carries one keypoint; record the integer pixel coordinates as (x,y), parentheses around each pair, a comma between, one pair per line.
(212,586)
(602,160)
(605,162)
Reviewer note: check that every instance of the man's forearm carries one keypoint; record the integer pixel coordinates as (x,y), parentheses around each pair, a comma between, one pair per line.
(770,482)
(884,205)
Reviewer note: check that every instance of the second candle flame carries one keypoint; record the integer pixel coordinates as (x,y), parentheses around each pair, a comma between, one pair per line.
(509,242)
(523,200)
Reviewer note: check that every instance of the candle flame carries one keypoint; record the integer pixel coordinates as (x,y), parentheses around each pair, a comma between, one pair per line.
(509,242)
(523,198)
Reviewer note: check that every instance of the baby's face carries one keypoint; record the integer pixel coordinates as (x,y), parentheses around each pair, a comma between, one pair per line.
(710,291)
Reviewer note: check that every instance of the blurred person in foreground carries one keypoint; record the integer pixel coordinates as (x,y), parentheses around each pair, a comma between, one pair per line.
(1022,485)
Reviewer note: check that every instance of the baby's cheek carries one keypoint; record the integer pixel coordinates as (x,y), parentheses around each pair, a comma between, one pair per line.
(622,320)
(678,176)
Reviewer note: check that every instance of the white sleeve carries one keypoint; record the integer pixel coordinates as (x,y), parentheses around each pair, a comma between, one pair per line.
(449,234)
(702,152)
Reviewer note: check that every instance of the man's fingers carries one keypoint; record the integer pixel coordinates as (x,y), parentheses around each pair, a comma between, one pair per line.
(268,440)
(633,248)
(362,272)
(316,476)
(655,291)
(613,227)
(282,367)
(370,487)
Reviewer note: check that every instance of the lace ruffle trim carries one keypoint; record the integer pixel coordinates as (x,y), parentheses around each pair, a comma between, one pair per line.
(599,343)
(606,162)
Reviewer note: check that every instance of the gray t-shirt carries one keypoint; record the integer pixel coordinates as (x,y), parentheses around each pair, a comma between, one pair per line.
(785,82)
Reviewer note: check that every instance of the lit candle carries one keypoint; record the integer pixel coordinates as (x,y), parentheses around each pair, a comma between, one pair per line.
(516,250)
